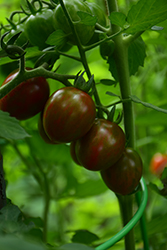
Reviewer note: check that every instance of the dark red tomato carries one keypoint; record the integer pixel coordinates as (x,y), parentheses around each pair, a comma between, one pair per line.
(69,114)
(42,131)
(158,163)
(27,99)
(124,176)
(102,146)
(73,152)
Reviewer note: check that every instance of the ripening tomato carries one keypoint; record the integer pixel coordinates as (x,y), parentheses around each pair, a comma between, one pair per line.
(158,163)
(42,131)
(27,99)
(73,152)
(124,176)
(68,114)
(102,146)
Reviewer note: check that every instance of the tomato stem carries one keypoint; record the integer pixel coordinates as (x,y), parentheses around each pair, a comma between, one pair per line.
(40,71)
(121,60)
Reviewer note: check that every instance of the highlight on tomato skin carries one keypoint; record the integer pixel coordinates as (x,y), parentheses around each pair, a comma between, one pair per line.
(158,163)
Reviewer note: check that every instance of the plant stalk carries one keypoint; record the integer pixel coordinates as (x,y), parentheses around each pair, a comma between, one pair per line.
(121,60)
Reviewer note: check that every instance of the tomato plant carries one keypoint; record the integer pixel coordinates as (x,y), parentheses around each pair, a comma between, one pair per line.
(84,32)
(73,116)
(124,176)
(68,114)
(158,163)
(102,146)
(27,99)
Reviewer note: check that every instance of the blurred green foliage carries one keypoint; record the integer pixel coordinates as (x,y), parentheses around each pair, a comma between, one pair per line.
(79,199)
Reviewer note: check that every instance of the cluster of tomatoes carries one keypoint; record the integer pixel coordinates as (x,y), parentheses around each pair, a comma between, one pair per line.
(38,23)
(69,116)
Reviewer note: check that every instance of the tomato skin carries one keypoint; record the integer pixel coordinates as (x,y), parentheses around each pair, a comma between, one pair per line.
(84,32)
(27,99)
(73,152)
(102,146)
(42,131)
(158,163)
(124,176)
(68,114)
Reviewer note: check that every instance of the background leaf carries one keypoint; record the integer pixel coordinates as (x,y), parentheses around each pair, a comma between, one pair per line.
(84,236)
(10,127)
(75,246)
(145,14)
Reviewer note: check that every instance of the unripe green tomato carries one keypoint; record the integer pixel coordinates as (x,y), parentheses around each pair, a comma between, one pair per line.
(22,39)
(85,32)
(38,28)
(97,11)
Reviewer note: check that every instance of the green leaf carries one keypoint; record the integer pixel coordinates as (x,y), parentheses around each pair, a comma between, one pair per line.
(112,94)
(84,236)
(154,187)
(86,18)
(16,243)
(146,104)
(136,55)
(10,213)
(118,18)
(57,38)
(74,246)
(10,127)
(145,14)
(107,82)
(164,174)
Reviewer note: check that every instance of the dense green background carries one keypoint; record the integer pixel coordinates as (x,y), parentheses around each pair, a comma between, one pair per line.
(80,201)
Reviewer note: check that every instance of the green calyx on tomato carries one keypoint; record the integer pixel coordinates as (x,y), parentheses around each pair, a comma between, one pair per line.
(68,115)
(26,99)
(38,27)
(81,84)
(84,32)
(124,176)
(102,146)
